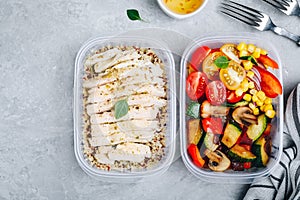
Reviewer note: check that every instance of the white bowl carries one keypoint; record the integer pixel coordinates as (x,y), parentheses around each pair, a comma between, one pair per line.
(179,16)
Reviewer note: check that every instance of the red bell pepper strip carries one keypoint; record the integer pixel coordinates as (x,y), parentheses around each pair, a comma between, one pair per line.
(267,61)
(270,85)
(195,155)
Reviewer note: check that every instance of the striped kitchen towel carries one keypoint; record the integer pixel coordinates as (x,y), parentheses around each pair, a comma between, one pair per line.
(284,182)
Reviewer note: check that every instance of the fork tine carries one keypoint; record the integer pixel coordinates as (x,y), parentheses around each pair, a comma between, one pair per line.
(240,19)
(239,16)
(243,11)
(255,12)
(277,5)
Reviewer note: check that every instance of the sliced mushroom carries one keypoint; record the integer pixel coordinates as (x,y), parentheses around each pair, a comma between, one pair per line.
(208,110)
(218,161)
(244,115)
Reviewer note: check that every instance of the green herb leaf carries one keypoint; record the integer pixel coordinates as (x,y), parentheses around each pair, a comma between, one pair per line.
(133,15)
(193,110)
(222,62)
(250,58)
(121,108)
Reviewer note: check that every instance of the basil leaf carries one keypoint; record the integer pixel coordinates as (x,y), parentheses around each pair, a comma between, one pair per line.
(121,108)
(221,62)
(133,15)
(193,110)
(250,58)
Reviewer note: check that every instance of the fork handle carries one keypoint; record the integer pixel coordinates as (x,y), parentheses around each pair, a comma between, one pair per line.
(287,34)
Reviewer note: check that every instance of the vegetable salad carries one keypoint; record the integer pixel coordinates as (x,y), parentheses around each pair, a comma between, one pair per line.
(230,109)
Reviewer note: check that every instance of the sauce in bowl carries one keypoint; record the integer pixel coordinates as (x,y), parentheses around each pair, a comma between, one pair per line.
(183,7)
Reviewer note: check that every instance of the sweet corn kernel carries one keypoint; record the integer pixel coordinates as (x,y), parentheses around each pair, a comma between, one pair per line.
(259,103)
(262,108)
(239,92)
(250,74)
(245,89)
(268,100)
(256,53)
(247,64)
(251,48)
(251,85)
(243,53)
(256,111)
(270,113)
(268,107)
(253,91)
(247,97)
(261,95)
(254,98)
(245,83)
(242,46)
(263,52)
(252,106)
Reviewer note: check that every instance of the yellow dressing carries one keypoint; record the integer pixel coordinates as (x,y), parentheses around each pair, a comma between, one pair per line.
(183,6)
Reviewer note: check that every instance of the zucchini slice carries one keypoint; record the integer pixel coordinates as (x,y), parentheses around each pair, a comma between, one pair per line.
(259,149)
(209,142)
(254,131)
(238,104)
(240,154)
(232,133)
(194,131)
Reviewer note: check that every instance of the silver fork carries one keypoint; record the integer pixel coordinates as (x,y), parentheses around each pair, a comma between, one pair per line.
(255,18)
(288,7)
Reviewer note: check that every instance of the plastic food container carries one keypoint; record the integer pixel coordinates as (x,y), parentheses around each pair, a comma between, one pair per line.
(229,175)
(124,175)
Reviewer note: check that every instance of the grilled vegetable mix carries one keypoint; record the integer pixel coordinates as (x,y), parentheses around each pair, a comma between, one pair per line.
(230,110)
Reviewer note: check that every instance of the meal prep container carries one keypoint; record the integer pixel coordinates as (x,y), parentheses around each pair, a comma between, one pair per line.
(124,175)
(249,175)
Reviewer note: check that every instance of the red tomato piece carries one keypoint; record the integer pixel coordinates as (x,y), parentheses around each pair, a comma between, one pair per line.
(244,139)
(198,56)
(195,155)
(215,50)
(247,165)
(270,85)
(267,61)
(232,97)
(195,85)
(212,125)
(216,92)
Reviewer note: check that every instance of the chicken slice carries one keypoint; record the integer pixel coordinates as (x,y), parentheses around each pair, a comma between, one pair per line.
(130,152)
(145,100)
(147,113)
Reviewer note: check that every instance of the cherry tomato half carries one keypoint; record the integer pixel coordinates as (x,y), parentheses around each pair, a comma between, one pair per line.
(198,56)
(232,97)
(195,85)
(209,67)
(216,92)
(233,75)
(212,125)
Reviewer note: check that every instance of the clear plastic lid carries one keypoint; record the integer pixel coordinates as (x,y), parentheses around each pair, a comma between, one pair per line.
(245,176)
(124,174)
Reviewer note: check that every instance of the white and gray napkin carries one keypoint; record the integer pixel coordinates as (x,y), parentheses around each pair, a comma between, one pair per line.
(284,182)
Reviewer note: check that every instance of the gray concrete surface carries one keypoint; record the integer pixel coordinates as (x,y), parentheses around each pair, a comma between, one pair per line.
(38,44)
